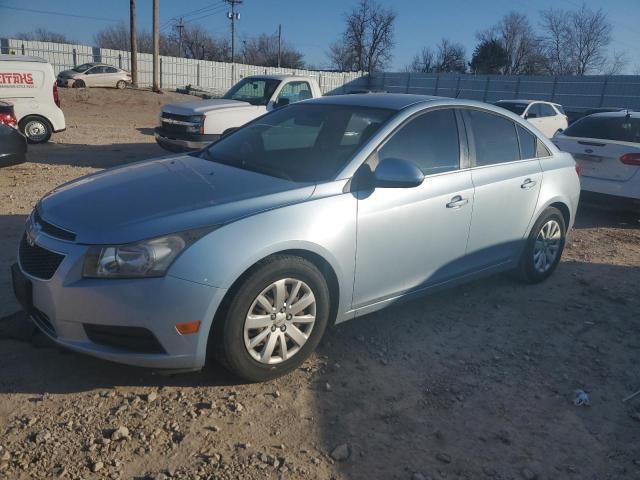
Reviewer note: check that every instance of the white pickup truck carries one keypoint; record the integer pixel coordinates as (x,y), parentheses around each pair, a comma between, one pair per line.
(194,125)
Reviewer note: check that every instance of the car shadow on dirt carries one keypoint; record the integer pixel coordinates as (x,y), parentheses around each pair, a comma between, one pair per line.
(94,156)
(591,216)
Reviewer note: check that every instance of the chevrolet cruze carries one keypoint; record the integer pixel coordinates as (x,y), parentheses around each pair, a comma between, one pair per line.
(314,214)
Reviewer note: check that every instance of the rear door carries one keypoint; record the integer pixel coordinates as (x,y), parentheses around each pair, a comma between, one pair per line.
(507,176)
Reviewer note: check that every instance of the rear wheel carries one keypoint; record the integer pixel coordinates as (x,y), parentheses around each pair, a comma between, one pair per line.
(121,85)
(36,129)
(275,319)
(544,247)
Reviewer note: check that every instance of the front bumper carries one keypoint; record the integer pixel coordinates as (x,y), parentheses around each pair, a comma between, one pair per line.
(64,82)
(64,305)
(183,142)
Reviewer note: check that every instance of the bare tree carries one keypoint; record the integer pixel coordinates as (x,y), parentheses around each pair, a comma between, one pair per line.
(341,56)
(423,62)
(198,43)
(263,51)
(451,57)
(590,38)
(555,42)
(42,34)
(520,42)
(616,64)
(368,38)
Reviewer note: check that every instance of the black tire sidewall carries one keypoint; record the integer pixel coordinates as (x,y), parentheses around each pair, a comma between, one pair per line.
(236,356)
(527,269)
(79,84)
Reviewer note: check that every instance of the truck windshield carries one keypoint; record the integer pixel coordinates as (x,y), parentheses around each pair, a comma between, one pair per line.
(302,143)
(256,91)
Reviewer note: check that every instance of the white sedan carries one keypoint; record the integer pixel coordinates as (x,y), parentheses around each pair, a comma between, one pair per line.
(607,147)
(547,117)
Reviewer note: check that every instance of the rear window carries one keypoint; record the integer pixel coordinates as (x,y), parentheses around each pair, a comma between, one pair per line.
(620,129)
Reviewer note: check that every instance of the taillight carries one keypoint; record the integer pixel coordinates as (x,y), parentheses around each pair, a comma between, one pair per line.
(8,119)
(56,97)
(631,159)
(578,169)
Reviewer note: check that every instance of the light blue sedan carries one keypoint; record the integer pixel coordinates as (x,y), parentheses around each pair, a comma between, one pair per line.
(312,215)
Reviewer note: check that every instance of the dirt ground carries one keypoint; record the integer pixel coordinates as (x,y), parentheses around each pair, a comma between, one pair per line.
(474,383)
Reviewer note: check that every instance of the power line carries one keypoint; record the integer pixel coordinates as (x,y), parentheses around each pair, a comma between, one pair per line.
(190,13)
(233,16)
(49,12)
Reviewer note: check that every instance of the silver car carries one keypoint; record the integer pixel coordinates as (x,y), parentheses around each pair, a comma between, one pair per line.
(94,75)
(314,214)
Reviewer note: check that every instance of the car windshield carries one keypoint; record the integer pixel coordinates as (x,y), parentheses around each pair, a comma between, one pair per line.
(515,107)
(302,143)
(82,68)
(256,91)
(620,128)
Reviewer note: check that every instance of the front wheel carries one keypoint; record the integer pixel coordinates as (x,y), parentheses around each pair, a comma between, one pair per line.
(544,247)
(275,319)
(79,84)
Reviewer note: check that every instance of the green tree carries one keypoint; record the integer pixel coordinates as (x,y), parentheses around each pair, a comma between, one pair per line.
(489,57)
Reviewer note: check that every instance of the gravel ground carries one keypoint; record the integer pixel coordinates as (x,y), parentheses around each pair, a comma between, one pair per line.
(473,383)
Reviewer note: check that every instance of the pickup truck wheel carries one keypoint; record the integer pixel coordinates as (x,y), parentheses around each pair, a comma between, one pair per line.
(275,319)
(36,129)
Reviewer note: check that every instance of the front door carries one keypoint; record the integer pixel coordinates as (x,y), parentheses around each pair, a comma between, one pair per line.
(507,178)
(410,238)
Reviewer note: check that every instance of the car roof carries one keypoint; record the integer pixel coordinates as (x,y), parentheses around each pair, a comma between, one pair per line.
(281,76)
(21,58)
(526,102)
(392,101)
(618,114)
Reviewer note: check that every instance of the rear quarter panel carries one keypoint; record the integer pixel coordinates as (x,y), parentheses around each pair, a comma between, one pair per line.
(560,184)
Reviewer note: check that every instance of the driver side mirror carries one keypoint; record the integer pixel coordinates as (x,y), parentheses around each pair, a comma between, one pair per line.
(282,102)
(397,173)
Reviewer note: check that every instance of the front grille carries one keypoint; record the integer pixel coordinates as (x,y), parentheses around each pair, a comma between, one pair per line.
(52,230)
(37,261)
(182,124)
(42,321)
(131,339)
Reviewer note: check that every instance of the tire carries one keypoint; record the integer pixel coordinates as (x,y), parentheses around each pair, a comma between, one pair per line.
(121,85)
(36,129)
(79,84)
(232,338)
(541,256)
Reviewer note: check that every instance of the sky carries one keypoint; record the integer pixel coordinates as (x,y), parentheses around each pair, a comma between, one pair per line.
(312,25)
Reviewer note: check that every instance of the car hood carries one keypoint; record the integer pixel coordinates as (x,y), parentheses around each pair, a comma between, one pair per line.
(201,107)
(68,74)
(156,197)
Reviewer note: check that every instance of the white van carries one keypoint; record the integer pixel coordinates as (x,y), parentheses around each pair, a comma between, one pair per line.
(30,84)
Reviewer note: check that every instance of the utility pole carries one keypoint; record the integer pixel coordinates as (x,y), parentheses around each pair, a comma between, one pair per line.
(156,46)
(279,44)
(180,27)
(134,44)
(233,16)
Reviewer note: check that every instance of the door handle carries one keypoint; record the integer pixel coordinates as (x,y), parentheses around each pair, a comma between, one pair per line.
(457,202)
(528,183)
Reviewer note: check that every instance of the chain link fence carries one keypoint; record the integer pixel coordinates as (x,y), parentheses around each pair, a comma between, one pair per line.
(175,72)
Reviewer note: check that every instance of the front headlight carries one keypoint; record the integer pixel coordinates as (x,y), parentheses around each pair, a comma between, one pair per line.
(147,258)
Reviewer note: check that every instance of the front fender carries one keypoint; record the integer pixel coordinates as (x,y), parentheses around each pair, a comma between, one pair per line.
(324,226)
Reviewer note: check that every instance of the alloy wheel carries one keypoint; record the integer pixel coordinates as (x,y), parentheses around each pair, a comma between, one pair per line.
(280,321)
(547,246)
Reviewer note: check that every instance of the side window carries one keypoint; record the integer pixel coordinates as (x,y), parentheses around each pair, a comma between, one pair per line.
(295,91)
(546,110)
(541,149)
(528,143)
(534,111)
(430,141)
(494,137)
(289,136)
(91,71)
(110,70)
